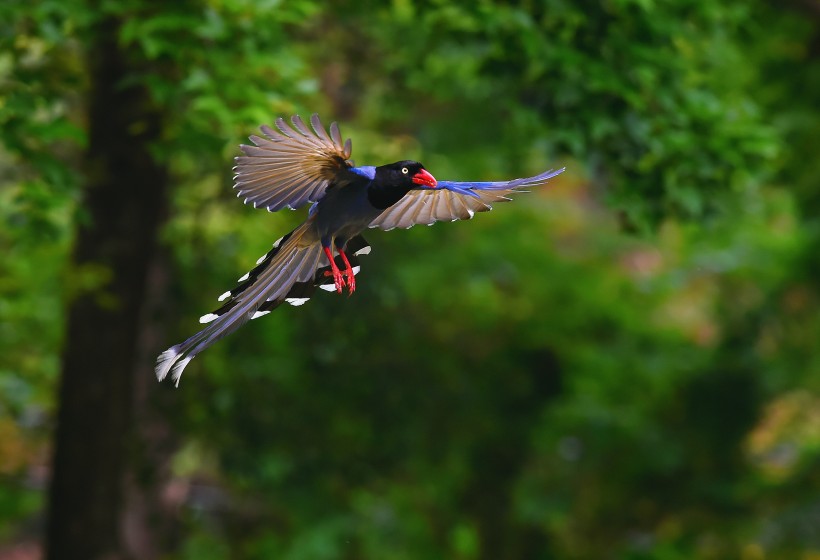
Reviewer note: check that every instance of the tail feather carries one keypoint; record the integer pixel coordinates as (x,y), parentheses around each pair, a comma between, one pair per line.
(295,259)
(165,361)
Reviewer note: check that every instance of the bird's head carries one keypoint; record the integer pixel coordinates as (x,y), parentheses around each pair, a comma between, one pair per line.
(408,174)
(391,182)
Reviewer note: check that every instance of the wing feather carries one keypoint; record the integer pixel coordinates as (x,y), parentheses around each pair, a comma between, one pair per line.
(337,138)
(290,165)
(453,200)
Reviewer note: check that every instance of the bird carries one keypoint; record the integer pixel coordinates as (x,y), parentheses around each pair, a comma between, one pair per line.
(292,165)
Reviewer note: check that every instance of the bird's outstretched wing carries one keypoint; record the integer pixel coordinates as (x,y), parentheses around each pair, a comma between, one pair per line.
(453,200)
(290,166)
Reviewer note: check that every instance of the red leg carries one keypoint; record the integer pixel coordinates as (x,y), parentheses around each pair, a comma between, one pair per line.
(337,275)
(351,278)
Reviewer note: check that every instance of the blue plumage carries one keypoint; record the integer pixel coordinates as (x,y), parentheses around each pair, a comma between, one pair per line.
(368,171)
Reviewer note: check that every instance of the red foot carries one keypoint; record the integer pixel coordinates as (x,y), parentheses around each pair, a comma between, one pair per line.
(351,278)
(338,279)
(334,271)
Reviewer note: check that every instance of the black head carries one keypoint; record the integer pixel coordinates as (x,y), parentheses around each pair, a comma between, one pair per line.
(407,173)
(394,180)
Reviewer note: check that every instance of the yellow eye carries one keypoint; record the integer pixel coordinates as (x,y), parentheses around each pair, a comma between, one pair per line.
(404,170)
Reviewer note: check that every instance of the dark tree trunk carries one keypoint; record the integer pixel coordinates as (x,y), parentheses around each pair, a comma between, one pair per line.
(124,200)
(498,461)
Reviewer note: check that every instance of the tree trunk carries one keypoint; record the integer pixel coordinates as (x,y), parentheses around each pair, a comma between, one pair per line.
(123,204)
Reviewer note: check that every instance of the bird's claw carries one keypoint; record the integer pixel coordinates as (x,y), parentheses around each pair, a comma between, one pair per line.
(351,281)
(339,280)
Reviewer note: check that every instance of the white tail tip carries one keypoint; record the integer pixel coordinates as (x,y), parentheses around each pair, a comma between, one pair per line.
(165,361)
(169,362)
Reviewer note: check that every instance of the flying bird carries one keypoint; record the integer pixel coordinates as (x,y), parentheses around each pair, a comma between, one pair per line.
(291,166)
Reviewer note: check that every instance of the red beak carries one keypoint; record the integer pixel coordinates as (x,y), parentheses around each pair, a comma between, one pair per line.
(424,178)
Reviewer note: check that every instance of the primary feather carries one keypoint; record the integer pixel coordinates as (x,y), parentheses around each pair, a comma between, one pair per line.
(454,200)
(290,167)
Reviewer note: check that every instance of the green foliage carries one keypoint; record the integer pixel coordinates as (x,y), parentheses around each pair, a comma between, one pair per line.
(629,88)
(537,383)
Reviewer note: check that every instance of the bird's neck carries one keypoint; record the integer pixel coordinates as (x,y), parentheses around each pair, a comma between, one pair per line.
(383,196)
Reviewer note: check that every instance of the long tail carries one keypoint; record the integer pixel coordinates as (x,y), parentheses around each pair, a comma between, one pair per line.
(287,273)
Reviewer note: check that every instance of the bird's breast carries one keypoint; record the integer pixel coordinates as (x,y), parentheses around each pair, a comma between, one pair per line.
(345,211)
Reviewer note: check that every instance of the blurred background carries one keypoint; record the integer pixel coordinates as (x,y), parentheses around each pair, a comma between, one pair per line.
(623,364)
